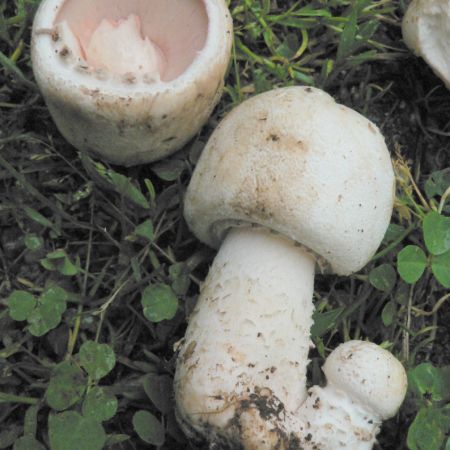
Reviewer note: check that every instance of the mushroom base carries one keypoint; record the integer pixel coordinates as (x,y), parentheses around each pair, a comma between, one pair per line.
(330,420)
(242,366)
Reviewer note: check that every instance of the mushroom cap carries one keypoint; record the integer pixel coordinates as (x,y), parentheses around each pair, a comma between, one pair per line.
(369,374)
(131,120)
(426,31)
(296,162)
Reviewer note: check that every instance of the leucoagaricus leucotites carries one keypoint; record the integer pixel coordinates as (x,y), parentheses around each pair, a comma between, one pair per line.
(288,181)
(131,80)
(426,31)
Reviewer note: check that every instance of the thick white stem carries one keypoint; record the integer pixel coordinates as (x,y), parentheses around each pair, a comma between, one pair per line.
(242,366)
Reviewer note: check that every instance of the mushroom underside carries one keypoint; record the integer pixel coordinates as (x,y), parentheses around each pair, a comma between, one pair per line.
(170,33)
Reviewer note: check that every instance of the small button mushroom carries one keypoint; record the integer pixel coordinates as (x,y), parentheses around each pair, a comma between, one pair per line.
(131,81)
(426,31)
(288,181)
(366,385)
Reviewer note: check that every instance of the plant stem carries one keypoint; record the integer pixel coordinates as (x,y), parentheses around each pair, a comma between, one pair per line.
(10,398)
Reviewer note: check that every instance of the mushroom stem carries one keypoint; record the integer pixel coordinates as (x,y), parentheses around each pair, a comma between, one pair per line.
(243,362)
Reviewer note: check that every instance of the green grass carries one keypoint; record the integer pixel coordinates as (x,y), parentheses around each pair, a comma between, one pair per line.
(110,237)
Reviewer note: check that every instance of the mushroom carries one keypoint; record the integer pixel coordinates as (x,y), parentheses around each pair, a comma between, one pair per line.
(131,81)
(426,31)
(288,180)
(366,385)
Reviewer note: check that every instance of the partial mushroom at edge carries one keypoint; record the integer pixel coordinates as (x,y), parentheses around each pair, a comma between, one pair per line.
(426,31)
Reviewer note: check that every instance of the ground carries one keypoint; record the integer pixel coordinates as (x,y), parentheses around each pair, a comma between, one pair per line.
(52,199)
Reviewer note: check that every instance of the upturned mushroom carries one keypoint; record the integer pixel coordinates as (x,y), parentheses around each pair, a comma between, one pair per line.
(288,181)
(131,81)
(426,31)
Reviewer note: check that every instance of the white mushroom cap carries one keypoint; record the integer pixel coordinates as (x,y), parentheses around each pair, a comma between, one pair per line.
(368,374)
(426,31)
(295,161)
(133,118)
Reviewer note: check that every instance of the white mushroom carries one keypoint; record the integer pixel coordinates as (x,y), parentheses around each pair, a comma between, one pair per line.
(426,31)
(288,179)
(366,385)
(131,80)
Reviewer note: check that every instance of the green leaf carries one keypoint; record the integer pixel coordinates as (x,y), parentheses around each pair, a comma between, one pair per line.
(303,78)
(42,320)
(28,443)
(289,46)
(71,431)
(66,387)
(429,382)
(347,42)
(159,303)
(99,404)
(33,242)
(324,322)
(84,191)
(169,170)
(21,304)
(9,435)
(383,277)
(438,182)
(402,293)
(440,266)
(368,29)
(41,220)
(426,433)
(436,233)
(97,359)
(59,261)
(389,312)
(68,268)
(30,421)
(411,263)
(136,268)
(393,232)
(55,297)
(125,187)
(47,314)
(149,428)
(150,189)
(159,390)
(145,230)
(444,412)
(179,274)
